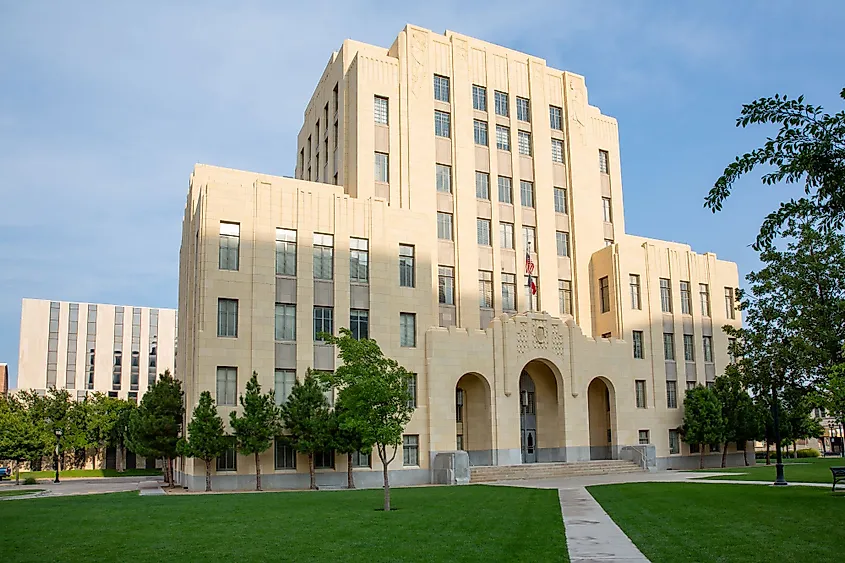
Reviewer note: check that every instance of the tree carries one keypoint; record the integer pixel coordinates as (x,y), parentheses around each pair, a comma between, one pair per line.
(703,420)
(205,437)
(155,425)
(375,390)
(809,148)
(107,421)
(348,437)
(254,430)
(21,438)
(738,411)
(307,420)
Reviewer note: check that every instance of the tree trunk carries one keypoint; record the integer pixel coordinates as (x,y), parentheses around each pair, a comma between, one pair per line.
(257,473)
(118,459)
(768,454)
(17,473)
(311,472)
(350,480)
(794,450)
(725,455)
(701,456)
(208,475)
(745,455)
(382,452)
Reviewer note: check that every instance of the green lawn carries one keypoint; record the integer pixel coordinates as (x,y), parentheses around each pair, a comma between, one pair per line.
(806,470)
(469,523)
(19,492)
(89,473)
(704,522)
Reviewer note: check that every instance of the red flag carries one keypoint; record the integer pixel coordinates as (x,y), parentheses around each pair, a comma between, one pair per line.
(532,285)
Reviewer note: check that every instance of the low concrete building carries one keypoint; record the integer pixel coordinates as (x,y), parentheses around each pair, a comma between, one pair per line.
(4,379)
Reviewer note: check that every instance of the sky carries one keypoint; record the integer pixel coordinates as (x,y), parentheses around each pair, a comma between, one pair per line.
(105,108)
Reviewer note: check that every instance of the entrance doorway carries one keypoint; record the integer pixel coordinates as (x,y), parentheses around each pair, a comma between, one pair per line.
(473,427)
(528,418)
(600,408)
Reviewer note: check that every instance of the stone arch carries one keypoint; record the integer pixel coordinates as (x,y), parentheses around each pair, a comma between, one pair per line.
(473,418)
(542,429)
(601,409)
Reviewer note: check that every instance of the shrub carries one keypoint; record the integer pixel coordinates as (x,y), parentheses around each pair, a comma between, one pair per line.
(30,481)
(808,452)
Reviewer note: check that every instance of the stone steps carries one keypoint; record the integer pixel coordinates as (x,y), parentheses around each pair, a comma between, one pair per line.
(490,473)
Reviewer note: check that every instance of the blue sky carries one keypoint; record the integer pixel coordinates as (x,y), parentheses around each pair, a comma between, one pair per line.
(105,108)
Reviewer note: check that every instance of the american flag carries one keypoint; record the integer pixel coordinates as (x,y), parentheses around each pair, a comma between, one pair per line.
(529,264)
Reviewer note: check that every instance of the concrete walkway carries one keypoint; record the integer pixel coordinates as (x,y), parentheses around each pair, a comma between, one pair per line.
(84,486)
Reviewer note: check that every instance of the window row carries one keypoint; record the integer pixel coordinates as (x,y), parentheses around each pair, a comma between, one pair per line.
(669,346)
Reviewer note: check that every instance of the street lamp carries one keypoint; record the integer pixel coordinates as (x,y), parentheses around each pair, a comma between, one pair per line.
(58,437)
(830,434)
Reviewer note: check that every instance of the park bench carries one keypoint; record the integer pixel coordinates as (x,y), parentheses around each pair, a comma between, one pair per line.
(838,475)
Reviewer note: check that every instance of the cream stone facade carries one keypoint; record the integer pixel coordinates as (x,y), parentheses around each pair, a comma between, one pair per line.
(431,178)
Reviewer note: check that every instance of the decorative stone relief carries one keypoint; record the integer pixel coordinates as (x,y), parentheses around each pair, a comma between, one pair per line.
(577,109)
(541,334)
(522,338)
(419,56)
(557,338)
(461,50)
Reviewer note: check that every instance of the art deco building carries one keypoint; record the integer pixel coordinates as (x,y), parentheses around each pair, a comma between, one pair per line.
(461,203)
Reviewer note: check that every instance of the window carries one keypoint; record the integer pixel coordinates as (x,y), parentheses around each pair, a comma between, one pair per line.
(560,201)
(359,260)
(562,239)
(406,266)
(380,110)
(603,166)
(285,329)
(323,257)
(285,455)
(730,305)
(532,288)
(732,350)
(665,296)
(564,288)
(479,132)
(508,292)
(526,193)
(446,285)
(324,459)
(410,450)
(608,242)
(686,298)
(503,138)
(693,448)
(441,88)
(483,232)
(444,226)
(381,171)
(323,321)
(707,343)
(117,367)
(285,252)
(669,346)
(710,384)
(443,176)
(704,297)
(230,237)
(639,352)
(523,111)
(643,435)
(228,460)
(607,213)
(505,190)
(674,442)
(500,100)
(485,289)
(407,330)
(91,344)
(690,385)
(524,142)
(479,97)
(604,294)
(359,323)
(639,386)
(442,124)
(671,394)
(335,99)
(555,118)
(284,380)
(227,317)
(689,348)
(227,386)
(360,459)
(528,239)
(634,281)
(412,391)
(482,185)
(557,151)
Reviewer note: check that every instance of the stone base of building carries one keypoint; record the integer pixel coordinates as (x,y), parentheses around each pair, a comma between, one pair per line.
(711,461)
(292,480)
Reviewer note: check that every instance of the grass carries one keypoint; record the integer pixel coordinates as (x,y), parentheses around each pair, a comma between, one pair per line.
(19,492)
(801,470)
(89,473)
(673,522)
(469,523)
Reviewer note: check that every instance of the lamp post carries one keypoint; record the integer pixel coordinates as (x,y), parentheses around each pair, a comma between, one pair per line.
(779,478)
(830,435)
(58,437)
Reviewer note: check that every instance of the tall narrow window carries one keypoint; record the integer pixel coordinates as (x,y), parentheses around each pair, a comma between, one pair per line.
(604,294)
(636,301)
(441,88)
(443,175)
(524,138)
(730,304)
(689,348)
(671,394)
(323,256)
(117,365)
(285,457)
(704,298)
(505,189)
(482,185)
(483,231)
(732,350)
(674,442)
(382,174)
(665,296)
(523,109)
(607,213)
(686,298)
(446,285)
(526,193)
(412,391)
(335,99)
(639,351)
(639,386)
(560,201)
(562,239)
(707,344)
(508,292)
(227,386)
(503,138)
(227,317)
(285,252)
(359,260)
(72,339)
(91,344)
(603,164)
(407,272)
(479,97)
(555,118)
(557,151)
(407,330)
(380,110)
(565,296)
(152,362)
(669,346)
(323,322)
(410,450)
(284,380)
(285,322)
(444,226)
(485,289)
(479,132)
(230,237)
(135,366)
(442,124)
(506,235)
(500,100)
(359,323)
(228,460)
(529,239)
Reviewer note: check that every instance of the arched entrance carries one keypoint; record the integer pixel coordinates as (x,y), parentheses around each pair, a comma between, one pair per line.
(542,436)
(600,399)
(473,429)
